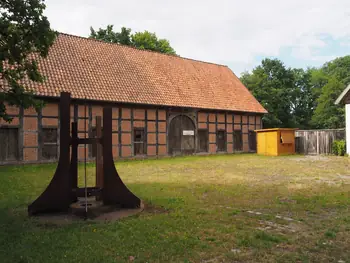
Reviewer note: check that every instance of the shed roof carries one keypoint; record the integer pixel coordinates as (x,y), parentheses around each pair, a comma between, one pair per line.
(95,70)
(276,129)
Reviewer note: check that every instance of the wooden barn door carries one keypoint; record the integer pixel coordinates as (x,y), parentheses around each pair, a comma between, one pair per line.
(8,144)
(203,139)
(221,141)
(252,141)
(181,136)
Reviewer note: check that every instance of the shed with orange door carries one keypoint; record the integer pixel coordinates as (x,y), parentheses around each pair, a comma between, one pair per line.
(276,141)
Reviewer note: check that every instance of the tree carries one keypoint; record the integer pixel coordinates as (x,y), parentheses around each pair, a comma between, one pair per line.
(142,40)
(108,35)
(149,41)
(273,86)
(327,115)
(25,35)
(300,98)
(124,36)
(329,81)
(305,98)
(339,68)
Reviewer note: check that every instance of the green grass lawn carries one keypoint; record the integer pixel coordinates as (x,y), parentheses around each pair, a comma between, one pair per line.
(231,208)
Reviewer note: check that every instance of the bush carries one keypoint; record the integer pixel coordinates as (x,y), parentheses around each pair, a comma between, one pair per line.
(339,147)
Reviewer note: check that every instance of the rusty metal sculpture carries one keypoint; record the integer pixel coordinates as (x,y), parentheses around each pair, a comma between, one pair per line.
(63,189)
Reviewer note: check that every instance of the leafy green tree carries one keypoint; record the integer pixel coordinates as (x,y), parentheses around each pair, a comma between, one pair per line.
(329,81)
(338,68)
(300,98)
(142,40)
(25,35)
(108,35)
(272,84)
(327,115)
(124,36)
(305,98)
(149,41)
(318,80)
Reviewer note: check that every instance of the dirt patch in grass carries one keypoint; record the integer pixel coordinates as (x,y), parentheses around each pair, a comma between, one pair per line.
(154,210)
(54,219)
(312,158)
(69,218)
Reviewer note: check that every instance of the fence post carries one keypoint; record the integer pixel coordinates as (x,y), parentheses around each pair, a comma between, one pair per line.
(317,143)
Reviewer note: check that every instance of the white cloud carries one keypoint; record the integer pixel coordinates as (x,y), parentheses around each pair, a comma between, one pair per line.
(345,42)
(232,32)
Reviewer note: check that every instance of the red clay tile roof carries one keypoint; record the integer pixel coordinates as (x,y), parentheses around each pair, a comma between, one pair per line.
(96,70)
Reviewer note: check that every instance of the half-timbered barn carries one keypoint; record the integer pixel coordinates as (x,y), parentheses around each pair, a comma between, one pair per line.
(163,105)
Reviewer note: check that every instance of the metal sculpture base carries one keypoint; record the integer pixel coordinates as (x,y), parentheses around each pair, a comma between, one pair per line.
(63,190)
(98,213)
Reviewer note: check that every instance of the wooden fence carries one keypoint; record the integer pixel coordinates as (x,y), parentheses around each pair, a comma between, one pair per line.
(317,141)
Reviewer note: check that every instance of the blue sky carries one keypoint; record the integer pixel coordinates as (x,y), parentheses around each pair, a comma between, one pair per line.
(332,49)
(236,33)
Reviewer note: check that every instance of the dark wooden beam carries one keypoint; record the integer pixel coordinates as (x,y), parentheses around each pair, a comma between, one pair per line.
(99,159)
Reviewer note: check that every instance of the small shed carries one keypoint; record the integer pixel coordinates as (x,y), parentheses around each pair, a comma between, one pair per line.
(276,141)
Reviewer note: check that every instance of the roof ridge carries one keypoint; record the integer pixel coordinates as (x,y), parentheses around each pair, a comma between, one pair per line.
(144,50)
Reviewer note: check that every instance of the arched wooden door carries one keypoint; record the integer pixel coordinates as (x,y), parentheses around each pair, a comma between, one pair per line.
(181,136)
